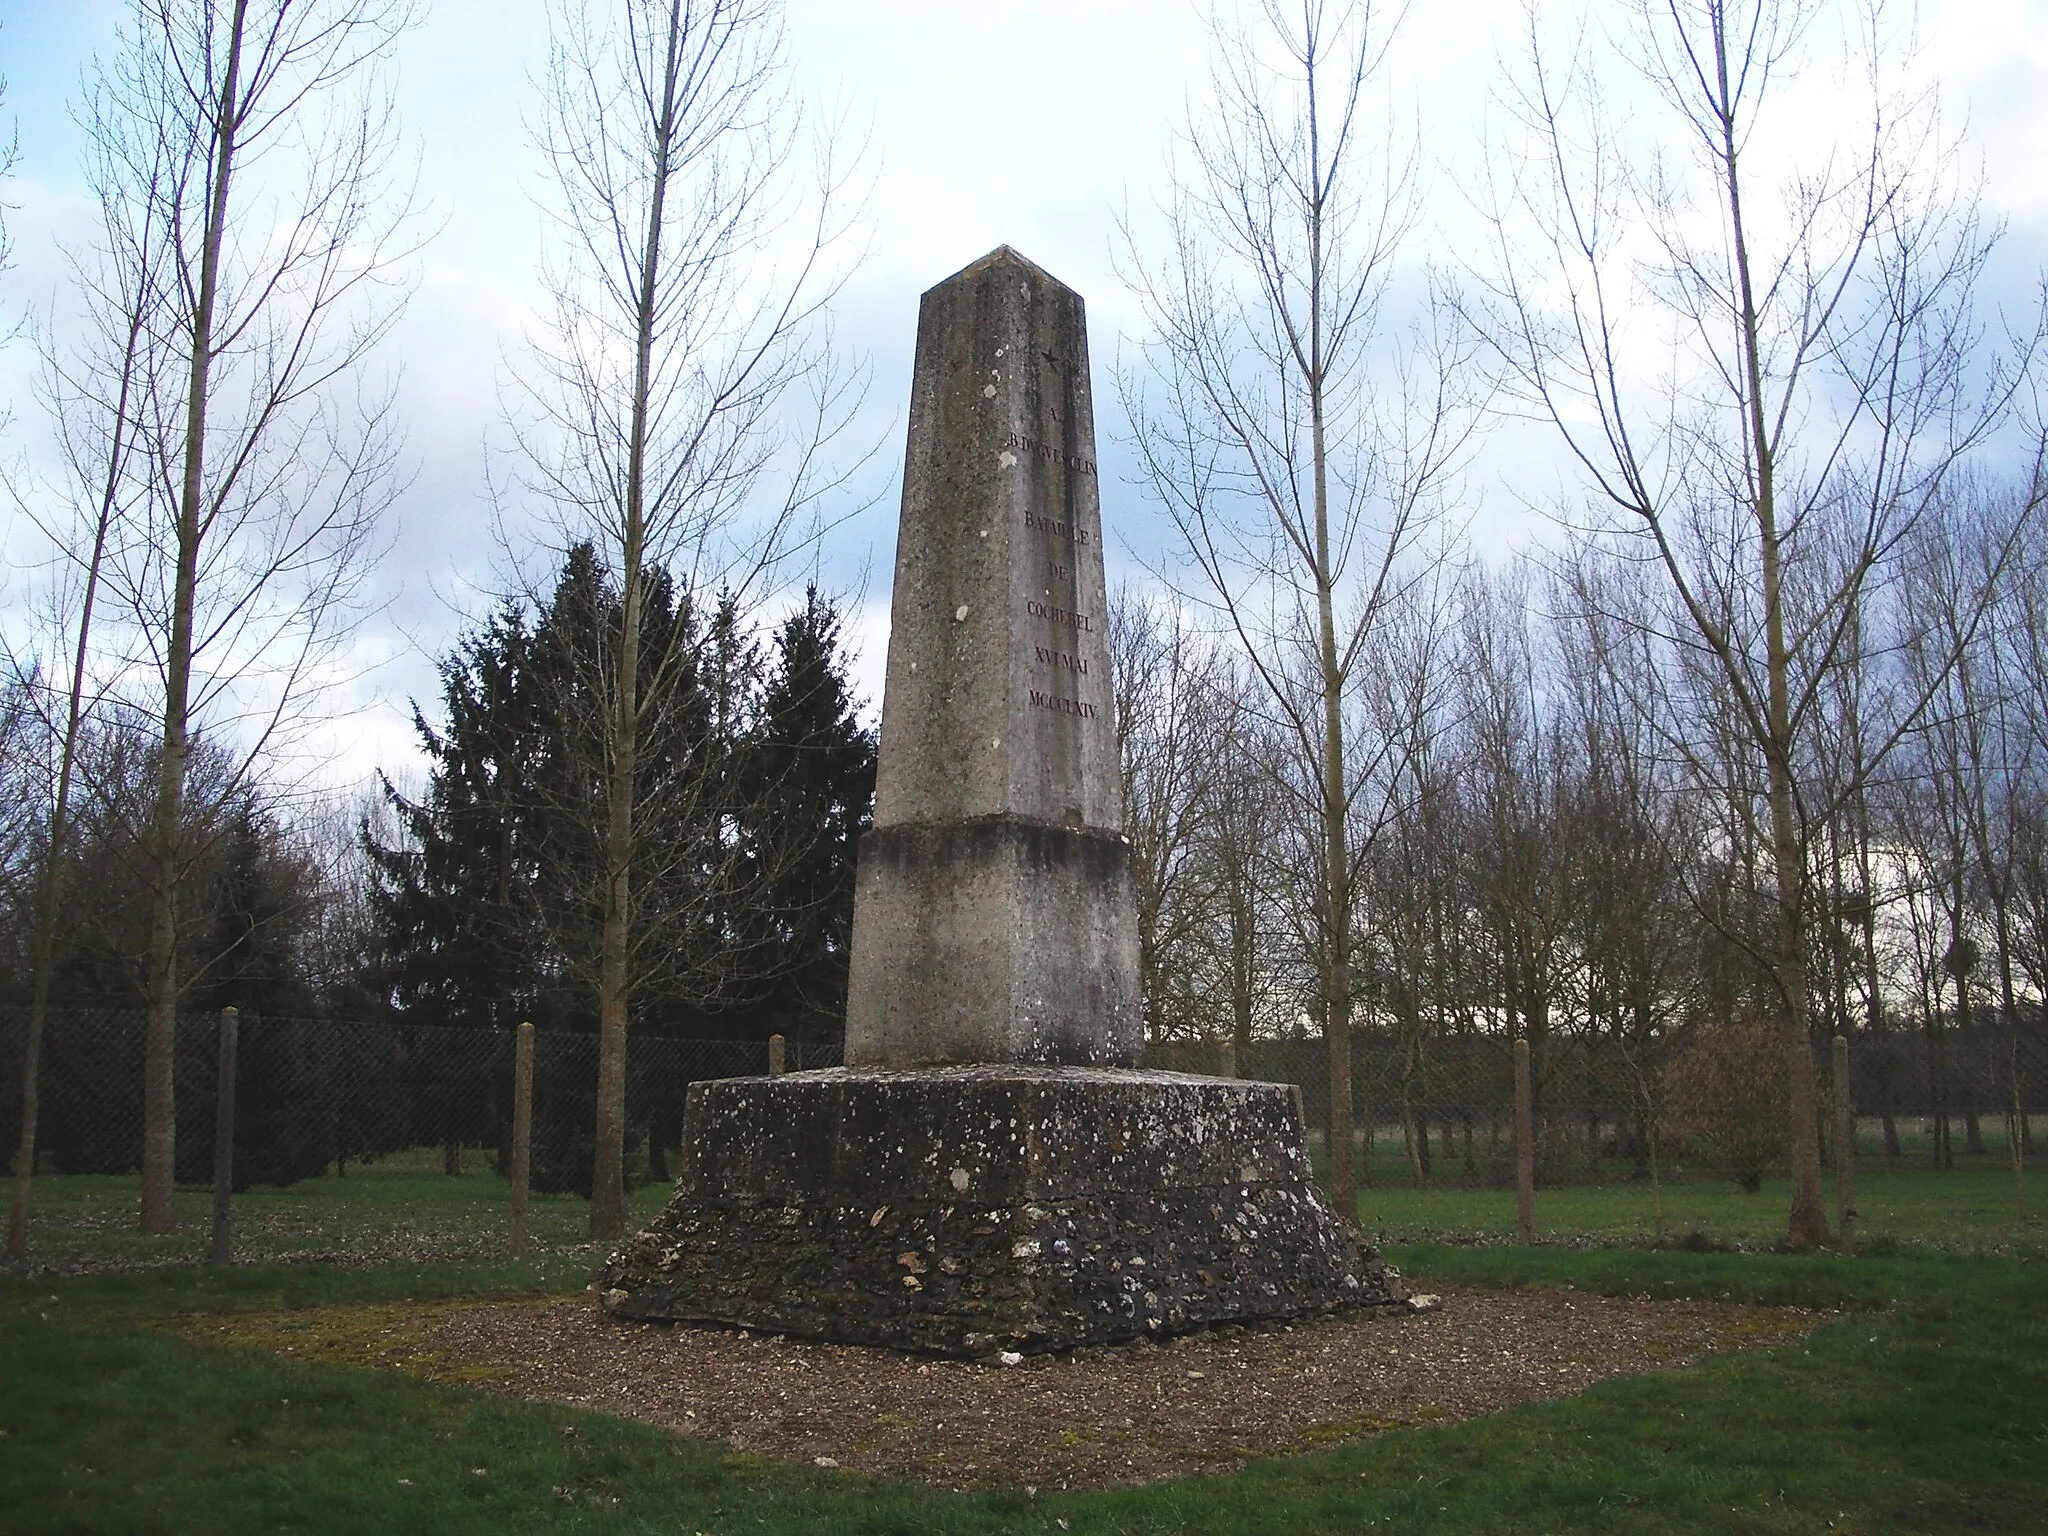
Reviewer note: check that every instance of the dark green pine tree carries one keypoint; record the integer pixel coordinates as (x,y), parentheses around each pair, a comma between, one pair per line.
(813,794)
(256,905)
(453,896)
(450,894)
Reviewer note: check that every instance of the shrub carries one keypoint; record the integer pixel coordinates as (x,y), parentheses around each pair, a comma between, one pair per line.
(1724,1097)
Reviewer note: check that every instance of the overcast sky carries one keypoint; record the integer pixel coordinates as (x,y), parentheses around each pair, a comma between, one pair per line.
(1028,122)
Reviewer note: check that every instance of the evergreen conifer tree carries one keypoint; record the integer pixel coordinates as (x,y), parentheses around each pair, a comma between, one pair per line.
(813,793)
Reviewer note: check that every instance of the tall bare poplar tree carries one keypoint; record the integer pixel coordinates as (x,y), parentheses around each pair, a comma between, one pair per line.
(258,136)
(1295,437)
(686,397)
(1170,718)
(94,395)
(1758,343)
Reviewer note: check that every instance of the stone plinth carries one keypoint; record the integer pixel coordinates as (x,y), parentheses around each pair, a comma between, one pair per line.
(993,917)
(971,1209)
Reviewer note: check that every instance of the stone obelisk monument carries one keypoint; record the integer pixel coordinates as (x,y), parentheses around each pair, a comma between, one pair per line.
(989,1171)
(994,920)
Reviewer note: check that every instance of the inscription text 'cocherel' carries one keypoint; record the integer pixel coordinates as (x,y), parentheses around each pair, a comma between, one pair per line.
(1085,622)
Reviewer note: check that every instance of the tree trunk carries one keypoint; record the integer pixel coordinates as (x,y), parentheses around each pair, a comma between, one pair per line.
(159,1098)
(60,814)
(608,1173)
(1336,970)
(1937,1078)
(1807,1223)
(1973,1128)
(608,1177)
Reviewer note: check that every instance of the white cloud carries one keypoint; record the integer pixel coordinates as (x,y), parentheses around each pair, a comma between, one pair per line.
(1027,122)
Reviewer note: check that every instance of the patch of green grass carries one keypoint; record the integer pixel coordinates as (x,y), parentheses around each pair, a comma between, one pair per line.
(394,1211)
(1924,1409)
(404,1210)
(165,1292)
(1969,1210)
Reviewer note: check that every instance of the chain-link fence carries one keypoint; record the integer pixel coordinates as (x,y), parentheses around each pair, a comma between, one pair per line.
(428,1112)
(1440,1110)
(314,1096)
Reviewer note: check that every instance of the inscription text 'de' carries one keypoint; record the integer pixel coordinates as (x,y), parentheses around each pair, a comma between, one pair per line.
(1061,661)
(1085,622)
(1052,703)
(1051,453)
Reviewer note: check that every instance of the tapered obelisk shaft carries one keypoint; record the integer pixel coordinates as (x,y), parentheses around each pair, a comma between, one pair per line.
(993,917)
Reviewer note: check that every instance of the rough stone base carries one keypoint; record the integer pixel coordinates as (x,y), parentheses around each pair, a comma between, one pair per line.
(962,1210)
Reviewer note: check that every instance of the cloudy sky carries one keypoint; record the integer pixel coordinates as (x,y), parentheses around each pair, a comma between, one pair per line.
(1035,123)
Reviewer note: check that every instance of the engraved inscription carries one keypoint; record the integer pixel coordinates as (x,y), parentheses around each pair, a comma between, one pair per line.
(1062,662)
(1085,622)
(1051,453)
(1058,527)
(1052,703)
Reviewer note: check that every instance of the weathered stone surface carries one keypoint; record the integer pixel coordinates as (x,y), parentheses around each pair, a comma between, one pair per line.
(993,918)
(995,937)
(975,1209)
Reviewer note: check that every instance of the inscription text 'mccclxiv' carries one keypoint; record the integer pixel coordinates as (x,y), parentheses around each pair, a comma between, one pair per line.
(1080,709)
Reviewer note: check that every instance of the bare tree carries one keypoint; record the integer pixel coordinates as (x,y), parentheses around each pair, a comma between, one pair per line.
(1524,852)
(256,139)
(10,152)
(1816,366)
(2027,643)
(1240,838)
(94,395)
(1976,765)
(1300,466)
(686,398)
(1634,931)
(1412,907)
(1168,717)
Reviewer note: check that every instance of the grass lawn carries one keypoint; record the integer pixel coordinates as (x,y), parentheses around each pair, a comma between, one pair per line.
(405,1210)
(1966,1209)
(401,1209)
(1924,1409)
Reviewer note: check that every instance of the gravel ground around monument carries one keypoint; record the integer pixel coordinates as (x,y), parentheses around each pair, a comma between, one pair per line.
(1206,1402)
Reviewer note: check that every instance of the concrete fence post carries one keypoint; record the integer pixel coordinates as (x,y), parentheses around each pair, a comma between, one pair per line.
(1525,1146)
(522,1132)
(1845,1148)
(224,1141)
(778,1056)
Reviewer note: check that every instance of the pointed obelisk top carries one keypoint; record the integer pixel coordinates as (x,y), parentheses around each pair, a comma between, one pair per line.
(999,256)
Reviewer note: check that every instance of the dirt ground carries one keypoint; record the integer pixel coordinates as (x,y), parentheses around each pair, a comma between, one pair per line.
(1204,1403)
